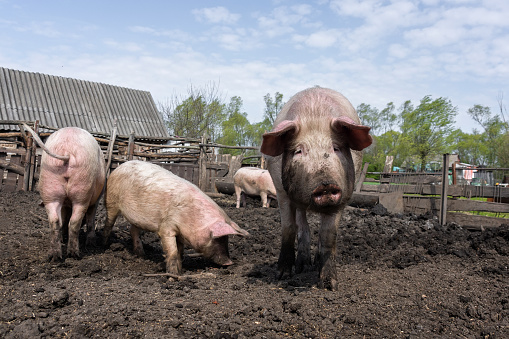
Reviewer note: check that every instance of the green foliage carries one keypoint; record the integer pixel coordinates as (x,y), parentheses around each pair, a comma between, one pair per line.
(494,136)
(427,129)
(470,147)
(272,107)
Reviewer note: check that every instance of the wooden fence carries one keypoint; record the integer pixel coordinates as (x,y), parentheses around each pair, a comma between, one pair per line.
(199,162)
(195,160)
(421,193)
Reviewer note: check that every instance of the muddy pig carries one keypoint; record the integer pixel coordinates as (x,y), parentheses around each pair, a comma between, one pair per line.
(154,199)
(254,181)
(314,155)
(71,181)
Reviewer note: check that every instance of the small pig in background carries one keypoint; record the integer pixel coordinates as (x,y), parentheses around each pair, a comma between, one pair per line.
(314,156)
(154,199)
(71,181)
(256,182)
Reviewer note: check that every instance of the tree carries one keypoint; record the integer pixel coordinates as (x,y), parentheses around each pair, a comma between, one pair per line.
(427,129)
(470,147)
(237,131)
(272,107)
(370,116)
(201,112)
(493,135)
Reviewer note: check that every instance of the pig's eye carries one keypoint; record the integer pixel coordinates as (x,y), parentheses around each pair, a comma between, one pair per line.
(297,152)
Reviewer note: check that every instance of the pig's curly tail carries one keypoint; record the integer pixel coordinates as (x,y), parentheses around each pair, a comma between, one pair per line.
(41,144)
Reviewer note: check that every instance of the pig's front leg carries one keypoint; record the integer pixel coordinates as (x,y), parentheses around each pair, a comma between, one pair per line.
(289,229)
(303,261)
(325,259)
(173,250)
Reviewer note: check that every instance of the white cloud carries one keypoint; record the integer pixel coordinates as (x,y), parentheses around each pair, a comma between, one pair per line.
(322,39)
(216,15)
(124,46)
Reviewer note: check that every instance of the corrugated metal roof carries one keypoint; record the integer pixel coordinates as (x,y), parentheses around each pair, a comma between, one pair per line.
(61,102)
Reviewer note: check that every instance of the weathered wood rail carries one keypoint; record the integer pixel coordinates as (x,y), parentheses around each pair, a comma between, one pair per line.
(195,160)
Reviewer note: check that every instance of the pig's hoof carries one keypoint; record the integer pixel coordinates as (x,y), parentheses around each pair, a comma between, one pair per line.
(328,276)
(303,264)
(73,254)
(174,268)
(329,284)
(285,262)
(139,252)
(91,240)
(285,271)
(54,257)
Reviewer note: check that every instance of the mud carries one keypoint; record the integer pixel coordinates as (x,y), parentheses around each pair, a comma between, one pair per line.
(400,276)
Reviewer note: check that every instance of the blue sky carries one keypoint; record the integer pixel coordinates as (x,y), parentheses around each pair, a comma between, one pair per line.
(372,51)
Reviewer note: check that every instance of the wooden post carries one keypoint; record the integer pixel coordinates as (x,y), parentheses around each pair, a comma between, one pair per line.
(33,158)
(362,177)
(111,145)
(29,141)
(454,178)
(445,185)
(202,163)
(130,147)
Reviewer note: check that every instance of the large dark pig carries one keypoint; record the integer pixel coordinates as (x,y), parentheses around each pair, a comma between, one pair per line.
(70,183)
(315,155)
(256,182)
(153,199)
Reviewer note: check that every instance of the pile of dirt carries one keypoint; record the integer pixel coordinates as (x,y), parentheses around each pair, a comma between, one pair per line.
(401,276)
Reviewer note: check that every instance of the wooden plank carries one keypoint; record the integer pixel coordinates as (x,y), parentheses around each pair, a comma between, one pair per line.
(433,204)
(20,151)
(11,182)
(475,221)
(473,205)
(454,191)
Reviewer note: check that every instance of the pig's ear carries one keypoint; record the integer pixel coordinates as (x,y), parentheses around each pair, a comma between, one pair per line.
(357,135)
(220,229)
(273,143)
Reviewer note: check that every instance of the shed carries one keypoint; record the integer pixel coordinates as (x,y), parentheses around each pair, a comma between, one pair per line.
(59,102)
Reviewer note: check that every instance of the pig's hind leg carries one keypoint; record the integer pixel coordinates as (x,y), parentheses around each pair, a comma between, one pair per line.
(90,218)
(54,211)
(73,247)
(137,244)
(264,198)
(238,194)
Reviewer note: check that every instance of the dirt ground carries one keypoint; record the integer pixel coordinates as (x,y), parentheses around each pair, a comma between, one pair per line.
(400,276)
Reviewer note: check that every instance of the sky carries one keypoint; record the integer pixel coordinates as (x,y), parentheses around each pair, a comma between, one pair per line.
(372,51)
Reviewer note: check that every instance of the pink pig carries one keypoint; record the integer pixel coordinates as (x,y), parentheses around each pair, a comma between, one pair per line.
(154,199)
(254,181)
(70,185)
(314,155)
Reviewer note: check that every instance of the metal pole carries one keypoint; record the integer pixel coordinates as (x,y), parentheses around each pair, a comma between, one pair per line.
(445,184)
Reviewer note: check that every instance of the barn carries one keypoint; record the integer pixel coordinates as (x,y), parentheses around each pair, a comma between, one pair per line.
(57,102)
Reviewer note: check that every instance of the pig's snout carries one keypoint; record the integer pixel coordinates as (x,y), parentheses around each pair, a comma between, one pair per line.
(327,195)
